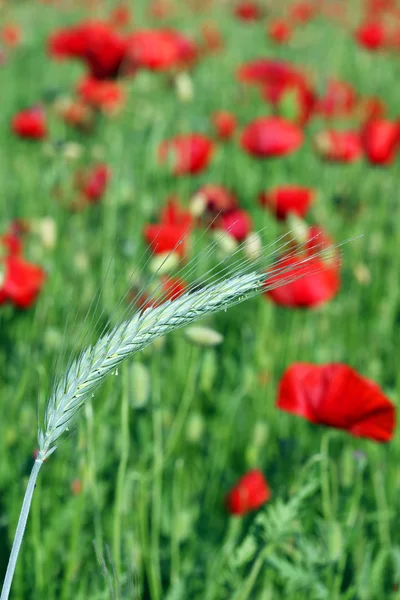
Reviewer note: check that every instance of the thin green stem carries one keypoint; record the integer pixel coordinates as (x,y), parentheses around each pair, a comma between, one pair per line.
(19,534)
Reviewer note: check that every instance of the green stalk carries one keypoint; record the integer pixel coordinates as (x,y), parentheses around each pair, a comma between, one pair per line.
(19,534)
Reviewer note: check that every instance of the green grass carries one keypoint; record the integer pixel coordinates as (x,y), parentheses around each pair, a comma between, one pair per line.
(151,504)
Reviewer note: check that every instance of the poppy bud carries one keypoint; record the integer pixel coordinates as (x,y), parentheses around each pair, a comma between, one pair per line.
(250,493)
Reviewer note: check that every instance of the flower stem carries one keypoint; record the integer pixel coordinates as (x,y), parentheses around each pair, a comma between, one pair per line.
(19,534)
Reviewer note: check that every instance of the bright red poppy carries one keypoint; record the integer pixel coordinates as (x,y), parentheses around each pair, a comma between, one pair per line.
(339,100)
(288,199)
(159,50)
(271,136)
(237,223)
(105,95)
(249,493)
(94,42)
(224,123)
(337,396)
(171,234)
(190,153)
(381,140)
(248,10)
(371,36)
(30,123)
(339,146)
(280,31)
(306,279)
(21,281)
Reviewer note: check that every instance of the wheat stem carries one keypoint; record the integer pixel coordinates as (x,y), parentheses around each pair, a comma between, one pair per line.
(19,534)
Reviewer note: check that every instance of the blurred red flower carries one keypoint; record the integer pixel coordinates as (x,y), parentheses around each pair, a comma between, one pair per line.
(224,123)
(315,281)
(94,42)
(21,281)
(169,288)
(171,234)
(339,99)
(337,396)
(370,107)
(105,95)
(339,146)
(381,140)
(120,15)
(75,112)
(280,31)
(271,136)
(248,10)
(92,182)
(213,199)
(249,493)
(236,222)
(288,199)
(10,35)
(302,12)
(212,40)
(159,50)
(371,36)
(190,153)
(30,123)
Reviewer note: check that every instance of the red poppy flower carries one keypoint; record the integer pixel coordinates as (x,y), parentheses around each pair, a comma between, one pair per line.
(288,199)
(280,31)
(337,396)
(10,35)
(30,123)
(271,136)
(294,102)
(224,123)
(21,281)
(212,40)
(381,140)
(371,36)
(93,182)
(105,95)
(302,12)
(339,146)
(315,281)
(236,222)
(191,153)
(249,493)
(213,199)
(171,234)
(248,11)
(339,100)
(159,50)
(94,42)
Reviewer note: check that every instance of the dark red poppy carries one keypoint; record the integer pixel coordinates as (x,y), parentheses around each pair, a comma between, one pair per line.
(381,140)
(339,146)
(371,36)
(94,42)
(337,396)
(159,50)
(30,123)
(237,223)
(288,199)
(21,281)
(105,95)
(280,31)
(271,136)
(339,100)
(92,183)
(213,199)
(225,124)
(171,234)
(190,153)
(249,493)
(314,282)
(248,10)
